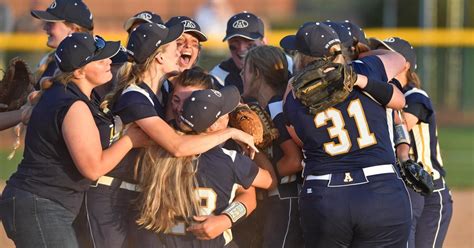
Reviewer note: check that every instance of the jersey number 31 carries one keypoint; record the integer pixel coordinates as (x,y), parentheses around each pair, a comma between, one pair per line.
(337,130)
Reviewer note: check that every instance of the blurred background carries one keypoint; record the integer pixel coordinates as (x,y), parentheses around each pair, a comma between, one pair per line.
(442,32)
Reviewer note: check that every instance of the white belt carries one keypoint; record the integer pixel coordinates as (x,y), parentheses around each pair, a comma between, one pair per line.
(106,180)
(368,171)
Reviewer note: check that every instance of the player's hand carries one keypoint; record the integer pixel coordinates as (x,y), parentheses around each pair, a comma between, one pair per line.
(209,226)
(246,141)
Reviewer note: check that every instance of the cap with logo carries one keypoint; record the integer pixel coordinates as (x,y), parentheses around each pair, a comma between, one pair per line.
(204,107)
(74,11)
(147,37)
(313,39)
(356,32)
(190,26)
(79,49)
(246,25)
(144,16)
(398,45)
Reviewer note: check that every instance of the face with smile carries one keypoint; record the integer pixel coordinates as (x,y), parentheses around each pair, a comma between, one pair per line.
(239,47)
(180,94)
(189,47)
(98,72)
(170,57)
(56,32)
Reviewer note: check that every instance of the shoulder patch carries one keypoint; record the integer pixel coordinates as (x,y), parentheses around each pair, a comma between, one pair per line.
(231,153)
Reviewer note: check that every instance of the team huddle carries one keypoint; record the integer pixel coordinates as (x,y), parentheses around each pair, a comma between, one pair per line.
(136,146)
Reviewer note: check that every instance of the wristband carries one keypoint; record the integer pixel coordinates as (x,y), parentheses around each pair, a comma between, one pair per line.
(236,211)
(401,135)
(379,90)
(397,83)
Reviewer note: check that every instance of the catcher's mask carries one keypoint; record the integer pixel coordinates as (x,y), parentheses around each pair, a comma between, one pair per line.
(204,107)
(79,49)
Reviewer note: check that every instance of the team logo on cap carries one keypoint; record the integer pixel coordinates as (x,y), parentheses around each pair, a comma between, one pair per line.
(188,24)
(217,93)
(390,39)
(240,24)
(145,16)
(161,26)
(53,5)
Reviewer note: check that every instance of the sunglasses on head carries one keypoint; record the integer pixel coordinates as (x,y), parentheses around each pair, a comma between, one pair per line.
(99,44)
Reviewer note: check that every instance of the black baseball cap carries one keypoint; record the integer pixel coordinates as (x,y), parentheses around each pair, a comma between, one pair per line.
(147,37)
(246,25)
(398,45)
(144,16)
(204,107)
(190,26)
(79,49)
(355,31)
(74,11)
(342,33)
(313,39)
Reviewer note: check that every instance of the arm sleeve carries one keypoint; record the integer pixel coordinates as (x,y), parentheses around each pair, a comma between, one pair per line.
(419,106)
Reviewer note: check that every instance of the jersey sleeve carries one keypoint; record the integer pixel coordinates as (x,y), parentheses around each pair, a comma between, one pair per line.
(419,105)
(280,124)
(289,109)
(370,66)
(133,106)
(245,170)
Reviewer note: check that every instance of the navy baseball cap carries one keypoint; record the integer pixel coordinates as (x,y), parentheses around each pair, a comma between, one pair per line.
(342,33)
(204,107)
(313,39)
(79,49)
(357,33)
(74,11)
(144,16)
(246,25)
(398,45)
(147,37)
(190,26)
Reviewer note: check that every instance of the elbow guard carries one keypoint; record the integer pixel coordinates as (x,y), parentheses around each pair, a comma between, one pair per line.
(379,90)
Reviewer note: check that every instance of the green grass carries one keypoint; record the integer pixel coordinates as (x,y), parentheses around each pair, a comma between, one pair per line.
(457,149)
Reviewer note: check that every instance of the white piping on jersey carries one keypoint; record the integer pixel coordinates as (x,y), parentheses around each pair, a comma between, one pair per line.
(416,90)
(421,133)
(440,218)
(219,74)
(136,88)
(230,153)
(275,108)
(288,224)
(389,113)
(290,63)
(166,85)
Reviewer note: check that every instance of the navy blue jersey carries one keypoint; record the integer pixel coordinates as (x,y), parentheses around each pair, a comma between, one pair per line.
(136,102)
(424,135)
(227,73)
(287,185)
(219,172)
(47,168)
(352,134)
(370,66)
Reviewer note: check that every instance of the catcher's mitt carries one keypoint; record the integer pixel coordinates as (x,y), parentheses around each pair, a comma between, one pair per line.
(16,85)
(270,132)
(245,119)
(323,84)
(416,177)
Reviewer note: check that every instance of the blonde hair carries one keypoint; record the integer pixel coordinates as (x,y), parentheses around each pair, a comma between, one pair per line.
(412,77)
(64,77)
(271,64)
(302,60)
(167,186)
(131,73)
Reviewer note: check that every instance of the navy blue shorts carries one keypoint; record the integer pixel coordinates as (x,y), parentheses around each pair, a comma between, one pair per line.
(355,210)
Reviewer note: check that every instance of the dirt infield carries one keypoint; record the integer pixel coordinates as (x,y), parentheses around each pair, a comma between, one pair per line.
(460,233)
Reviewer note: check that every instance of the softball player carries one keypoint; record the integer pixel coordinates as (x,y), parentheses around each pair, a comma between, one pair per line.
(265,76)
(217,173)
(431,214)
(61,18)
(44,195)
(352,195)
(153,49)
